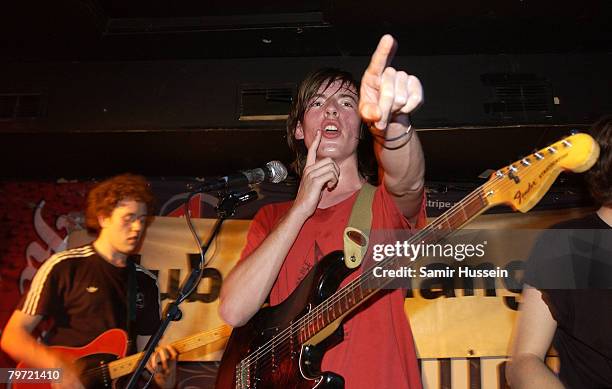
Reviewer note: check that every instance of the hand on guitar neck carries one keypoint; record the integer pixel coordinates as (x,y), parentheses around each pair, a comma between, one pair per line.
(162,365)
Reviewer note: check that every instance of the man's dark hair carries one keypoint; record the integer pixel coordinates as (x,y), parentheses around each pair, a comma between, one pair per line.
(599,177)
(306,91)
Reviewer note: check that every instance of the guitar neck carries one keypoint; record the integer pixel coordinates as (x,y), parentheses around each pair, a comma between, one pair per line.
(366,285)
(456,217)
(127,365)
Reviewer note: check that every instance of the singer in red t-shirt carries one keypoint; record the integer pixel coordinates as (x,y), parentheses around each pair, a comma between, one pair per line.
(286,240)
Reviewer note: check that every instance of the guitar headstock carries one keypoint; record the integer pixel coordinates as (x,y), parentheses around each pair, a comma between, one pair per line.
(523,183)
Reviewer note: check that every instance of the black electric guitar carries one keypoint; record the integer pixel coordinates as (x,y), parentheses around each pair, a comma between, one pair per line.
(282,346)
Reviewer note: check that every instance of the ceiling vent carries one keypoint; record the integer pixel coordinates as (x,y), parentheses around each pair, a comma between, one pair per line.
(518,96)
(15,106)
(259,103)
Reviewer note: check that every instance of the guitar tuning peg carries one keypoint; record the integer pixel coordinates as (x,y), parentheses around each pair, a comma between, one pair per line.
(486,174)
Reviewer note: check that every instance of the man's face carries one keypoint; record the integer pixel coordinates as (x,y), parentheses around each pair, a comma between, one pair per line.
(125,226)
(333,110)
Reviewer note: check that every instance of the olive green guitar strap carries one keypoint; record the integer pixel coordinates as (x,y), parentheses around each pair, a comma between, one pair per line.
(357,232)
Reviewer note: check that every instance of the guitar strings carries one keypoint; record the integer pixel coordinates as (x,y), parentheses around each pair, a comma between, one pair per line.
(349,288)
(313,316)
(261,354)
(186,342)
(301,324)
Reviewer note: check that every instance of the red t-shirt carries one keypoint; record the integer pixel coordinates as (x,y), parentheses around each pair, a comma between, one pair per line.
(378,349)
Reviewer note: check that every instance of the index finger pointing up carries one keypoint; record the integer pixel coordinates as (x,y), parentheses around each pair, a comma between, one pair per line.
(311,157)
(382,55)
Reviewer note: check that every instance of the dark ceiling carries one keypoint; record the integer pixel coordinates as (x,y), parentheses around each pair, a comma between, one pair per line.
(162,29)
(42,31)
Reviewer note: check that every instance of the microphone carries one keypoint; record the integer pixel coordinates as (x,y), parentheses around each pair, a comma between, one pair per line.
(273,171)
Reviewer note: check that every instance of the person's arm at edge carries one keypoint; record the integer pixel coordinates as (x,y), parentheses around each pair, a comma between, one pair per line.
(18,342)
(246,287)
(534,332)
(387,96)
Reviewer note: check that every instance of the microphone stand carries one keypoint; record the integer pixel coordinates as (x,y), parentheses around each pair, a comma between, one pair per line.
(225,209)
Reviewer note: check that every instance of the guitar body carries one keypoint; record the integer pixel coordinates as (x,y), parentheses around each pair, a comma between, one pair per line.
(107,347)
(292,366)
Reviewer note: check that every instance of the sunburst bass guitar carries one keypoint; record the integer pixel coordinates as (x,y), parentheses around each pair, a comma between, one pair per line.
(282,346)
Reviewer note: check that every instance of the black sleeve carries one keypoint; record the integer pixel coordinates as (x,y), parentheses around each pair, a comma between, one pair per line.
(550,262)
(558,304)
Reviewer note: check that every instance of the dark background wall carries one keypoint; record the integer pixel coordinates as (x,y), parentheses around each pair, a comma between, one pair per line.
(150,95)
(90,88)
(182,117)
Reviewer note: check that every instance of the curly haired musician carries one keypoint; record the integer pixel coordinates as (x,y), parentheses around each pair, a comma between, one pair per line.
(286,240)
(567,299)
(85,290)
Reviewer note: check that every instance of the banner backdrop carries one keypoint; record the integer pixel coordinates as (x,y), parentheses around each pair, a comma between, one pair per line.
(446,322)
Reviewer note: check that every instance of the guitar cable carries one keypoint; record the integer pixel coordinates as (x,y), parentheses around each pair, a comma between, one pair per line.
(203,262)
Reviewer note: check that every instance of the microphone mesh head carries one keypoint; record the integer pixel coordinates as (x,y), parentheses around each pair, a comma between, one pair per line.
(276,171)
